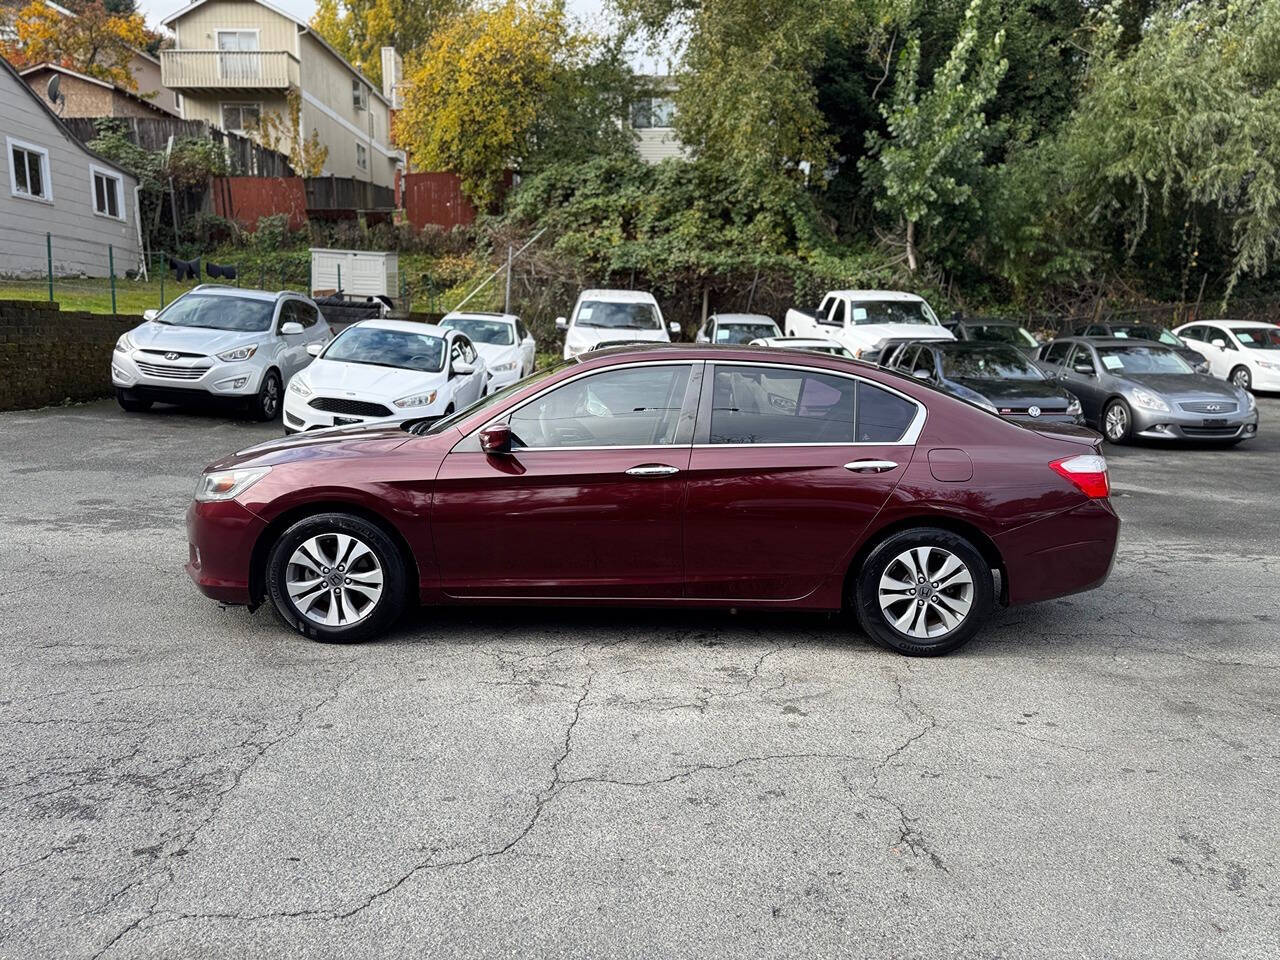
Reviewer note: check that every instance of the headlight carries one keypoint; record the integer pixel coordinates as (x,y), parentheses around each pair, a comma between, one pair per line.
(239,353)
(1073,408)
(298,384)
(1270,365)
(228,484)
(124,344)
(1250,402)
(503,367)
(1149,401)
(417,400)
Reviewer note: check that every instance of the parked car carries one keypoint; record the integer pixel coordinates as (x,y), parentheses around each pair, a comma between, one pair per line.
(605,316)
(220,343)
(502,339)
(687,476)
(995,376)
(888,356)
(736,328)
(1246,352)
(807,344)
(1132,330)
(992,330)
(385,371)
(1137,388)
(865,320)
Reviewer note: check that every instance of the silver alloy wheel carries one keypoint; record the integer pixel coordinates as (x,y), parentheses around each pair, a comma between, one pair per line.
(271,396)
(1117,424)
(1240,377)
(334,579)
(926,592)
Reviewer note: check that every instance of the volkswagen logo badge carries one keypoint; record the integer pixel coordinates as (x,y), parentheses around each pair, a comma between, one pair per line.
(1033,411)
(171,356)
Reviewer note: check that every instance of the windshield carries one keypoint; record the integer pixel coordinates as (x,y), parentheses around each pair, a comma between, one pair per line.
(745,332)
(239,314)
(444,423)
(1258,338)
(988,363)
(1136,359)
(891,311)
(617,316)
(1001,333)
(388,348)
(483,331)
(1143,331)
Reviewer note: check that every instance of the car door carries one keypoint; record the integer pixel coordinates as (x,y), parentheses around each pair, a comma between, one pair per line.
(589,502)
(1080,375)
(789,465)
(528,348)
(313,324)
(293,346)
(1221,349)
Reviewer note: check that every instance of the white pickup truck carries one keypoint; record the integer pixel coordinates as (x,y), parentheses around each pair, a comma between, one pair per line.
(864,321)
(613,316)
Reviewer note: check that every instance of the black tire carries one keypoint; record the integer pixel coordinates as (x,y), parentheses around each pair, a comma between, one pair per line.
(1117,422)
(130,402)
(265,406)
(385,610)
(951,593)
(1242,378)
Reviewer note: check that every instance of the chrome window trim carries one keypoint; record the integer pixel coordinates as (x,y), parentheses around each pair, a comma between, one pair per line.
(908,438)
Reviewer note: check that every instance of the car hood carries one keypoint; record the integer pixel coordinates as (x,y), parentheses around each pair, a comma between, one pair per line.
(1185,386)
(494,353)
(872,333)
(330,444)
(583,337)
(1023,392)
(160,336)
(363,381)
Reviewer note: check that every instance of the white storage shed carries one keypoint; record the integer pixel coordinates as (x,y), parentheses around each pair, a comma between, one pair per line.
(362,273)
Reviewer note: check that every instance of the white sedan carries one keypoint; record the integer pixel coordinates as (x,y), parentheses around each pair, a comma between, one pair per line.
(505,343)
(1246,352)
(385,371)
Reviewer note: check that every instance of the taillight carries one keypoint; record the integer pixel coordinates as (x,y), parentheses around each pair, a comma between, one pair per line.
(1088,471)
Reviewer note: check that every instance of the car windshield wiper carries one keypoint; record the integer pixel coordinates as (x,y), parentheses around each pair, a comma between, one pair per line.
(389,366)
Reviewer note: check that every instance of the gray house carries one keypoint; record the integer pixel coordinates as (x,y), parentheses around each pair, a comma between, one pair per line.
(50,183)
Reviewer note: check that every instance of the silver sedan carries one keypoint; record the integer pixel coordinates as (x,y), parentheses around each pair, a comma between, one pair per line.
(1138,388)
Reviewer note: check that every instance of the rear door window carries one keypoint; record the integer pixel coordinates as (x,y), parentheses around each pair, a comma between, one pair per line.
(1056,353)
(883,417)
(771,405)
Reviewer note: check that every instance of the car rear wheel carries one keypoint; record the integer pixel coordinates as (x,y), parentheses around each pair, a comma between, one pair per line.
(130,402)
(923,592)
(336,578)
(1242,378)
(265,406)
(1117,422)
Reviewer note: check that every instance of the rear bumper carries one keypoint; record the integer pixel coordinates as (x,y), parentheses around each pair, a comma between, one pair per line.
(220,540)
(1081,550)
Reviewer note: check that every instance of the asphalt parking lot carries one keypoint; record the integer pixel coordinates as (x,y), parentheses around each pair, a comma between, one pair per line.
(1094,777)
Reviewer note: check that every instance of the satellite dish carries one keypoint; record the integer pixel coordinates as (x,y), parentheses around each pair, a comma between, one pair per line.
(53,91)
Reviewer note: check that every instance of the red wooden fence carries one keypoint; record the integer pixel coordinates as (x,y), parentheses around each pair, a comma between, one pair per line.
(436,198)
(245,199)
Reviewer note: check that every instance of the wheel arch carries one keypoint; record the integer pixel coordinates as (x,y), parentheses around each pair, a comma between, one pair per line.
(971,532)
(262,546)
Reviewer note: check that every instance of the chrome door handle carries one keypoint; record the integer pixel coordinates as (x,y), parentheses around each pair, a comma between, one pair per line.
(652,470)
(870,466)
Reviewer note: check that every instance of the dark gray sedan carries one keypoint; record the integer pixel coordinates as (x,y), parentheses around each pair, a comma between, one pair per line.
(1138,388)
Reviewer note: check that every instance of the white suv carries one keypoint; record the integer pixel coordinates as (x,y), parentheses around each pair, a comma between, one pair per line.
(218,342)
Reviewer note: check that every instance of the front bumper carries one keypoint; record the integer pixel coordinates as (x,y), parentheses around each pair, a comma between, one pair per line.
(220,539)
(299,415)
(1075,419)
(163,380)
(1177,425)
(1264,379)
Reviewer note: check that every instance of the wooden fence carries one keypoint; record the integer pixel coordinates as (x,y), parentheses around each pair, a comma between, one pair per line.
(244,156)
(347,194)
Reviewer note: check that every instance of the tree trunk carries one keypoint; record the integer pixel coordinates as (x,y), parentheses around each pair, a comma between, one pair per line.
(911,245)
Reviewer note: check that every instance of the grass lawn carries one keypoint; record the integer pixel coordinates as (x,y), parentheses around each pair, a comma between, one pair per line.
(94,295)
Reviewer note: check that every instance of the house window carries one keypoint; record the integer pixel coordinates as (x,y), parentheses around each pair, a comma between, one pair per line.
(239,59)
(650,113)
(362,157)
(29,170)
(240,117)
(108,192)
(359,95)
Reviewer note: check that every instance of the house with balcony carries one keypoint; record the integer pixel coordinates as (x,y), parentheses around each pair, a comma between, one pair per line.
(234,62)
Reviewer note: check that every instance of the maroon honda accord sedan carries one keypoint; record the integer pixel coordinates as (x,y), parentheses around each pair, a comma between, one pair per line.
(707,476)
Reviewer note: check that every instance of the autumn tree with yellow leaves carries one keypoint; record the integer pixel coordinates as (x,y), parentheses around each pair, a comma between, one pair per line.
(93,40)
(359,29)
(473,95)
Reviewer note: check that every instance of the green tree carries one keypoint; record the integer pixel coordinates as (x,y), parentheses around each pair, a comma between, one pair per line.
(928,161)
(359,29)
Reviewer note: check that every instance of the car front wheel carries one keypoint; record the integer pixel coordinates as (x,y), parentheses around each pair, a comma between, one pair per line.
(265,406)
(923,592)
(1242,378)
(336,578)
(1117,422)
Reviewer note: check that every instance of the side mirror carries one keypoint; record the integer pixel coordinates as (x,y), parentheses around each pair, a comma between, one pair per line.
(674,327)
(461,368)
(292,328)
(314,349)
(923,374)
(1219,343)
(562,323)
(496,439)
(1083,368)
(150,314)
